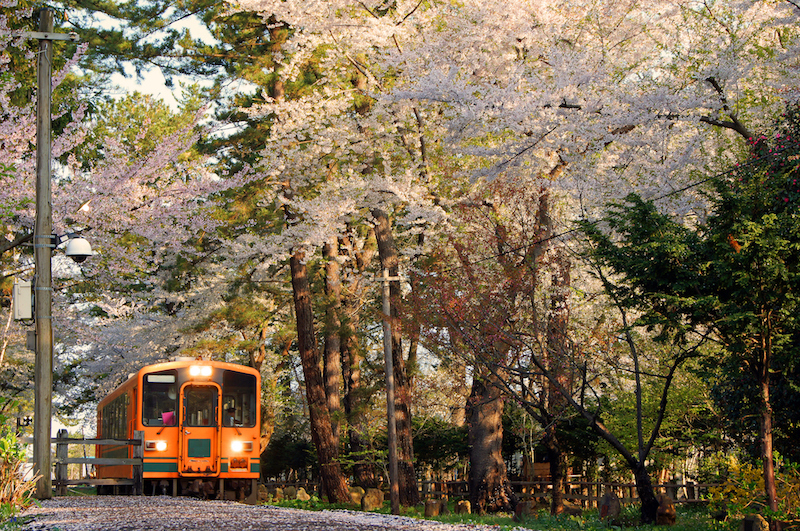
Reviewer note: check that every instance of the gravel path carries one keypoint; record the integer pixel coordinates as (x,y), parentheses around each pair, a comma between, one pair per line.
(129,513)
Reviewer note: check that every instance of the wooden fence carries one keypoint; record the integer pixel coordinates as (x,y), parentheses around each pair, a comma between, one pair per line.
(583,493)
(62,461)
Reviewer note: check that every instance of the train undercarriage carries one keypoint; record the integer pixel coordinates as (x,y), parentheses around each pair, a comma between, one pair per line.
(241,490)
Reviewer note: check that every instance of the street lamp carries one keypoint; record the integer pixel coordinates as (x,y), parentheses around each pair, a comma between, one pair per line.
(23,422)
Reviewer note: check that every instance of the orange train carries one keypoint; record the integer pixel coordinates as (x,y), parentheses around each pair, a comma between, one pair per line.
(201,424)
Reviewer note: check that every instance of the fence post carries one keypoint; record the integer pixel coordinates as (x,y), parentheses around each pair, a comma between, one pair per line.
(62,454)
(138,469)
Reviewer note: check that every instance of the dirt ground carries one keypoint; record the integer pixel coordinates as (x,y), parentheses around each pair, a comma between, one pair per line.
(163,513)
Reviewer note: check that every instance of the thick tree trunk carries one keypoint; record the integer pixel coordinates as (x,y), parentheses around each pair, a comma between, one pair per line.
(354,399)
(409,490)
(489,488)
(332,351)
(647,496)
(333,481)
(559,361)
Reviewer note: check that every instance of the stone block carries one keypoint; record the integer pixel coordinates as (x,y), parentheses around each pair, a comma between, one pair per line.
(573,508)
(610,507)
(445,508)
(432,508)
(665,514)
(356,493)
(372,499)
(754,522)
(524,510)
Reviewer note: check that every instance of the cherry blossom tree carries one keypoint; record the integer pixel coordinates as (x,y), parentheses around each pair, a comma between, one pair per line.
(600,97)
(342,170)
(128,179)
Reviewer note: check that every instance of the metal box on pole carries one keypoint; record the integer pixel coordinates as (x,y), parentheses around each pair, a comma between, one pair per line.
(22,297)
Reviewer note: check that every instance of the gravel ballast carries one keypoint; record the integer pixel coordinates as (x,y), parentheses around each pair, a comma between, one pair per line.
(128,513)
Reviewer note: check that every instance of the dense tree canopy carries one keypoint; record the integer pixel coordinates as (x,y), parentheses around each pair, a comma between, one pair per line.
(733,276)
(454,143)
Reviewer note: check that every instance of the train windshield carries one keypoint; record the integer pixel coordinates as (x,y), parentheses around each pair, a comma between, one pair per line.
(200,406)
(239,399)
(160,399)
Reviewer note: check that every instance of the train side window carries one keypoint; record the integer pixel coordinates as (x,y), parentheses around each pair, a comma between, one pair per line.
(159,399)
(115,418)
(239,399)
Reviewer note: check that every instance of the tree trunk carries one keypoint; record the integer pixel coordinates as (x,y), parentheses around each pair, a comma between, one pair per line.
(333,481)
(558,468)
(647,496)
(489,488)
(332,350)
(409,490)
(559,360)
(765,427)
(354,399)
(355,396)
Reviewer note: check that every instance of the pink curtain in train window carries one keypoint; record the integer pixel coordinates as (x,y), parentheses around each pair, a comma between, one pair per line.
(168,418)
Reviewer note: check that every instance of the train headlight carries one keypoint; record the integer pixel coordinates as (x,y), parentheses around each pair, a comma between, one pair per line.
(242,446)
(157,446)
(200,370)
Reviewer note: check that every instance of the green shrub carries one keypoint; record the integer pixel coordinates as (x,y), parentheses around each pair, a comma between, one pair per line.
(15,490)
(742,492)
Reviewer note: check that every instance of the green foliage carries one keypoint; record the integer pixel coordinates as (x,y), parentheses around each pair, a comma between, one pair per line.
(688,518)
(735,277)
(691,422)
(314,504)
(732,396)
(139,122)
(288,453)
(742,491)
(438,444)
(15,490)
(659,263)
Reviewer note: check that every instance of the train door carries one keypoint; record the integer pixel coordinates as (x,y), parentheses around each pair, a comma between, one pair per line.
(199,433)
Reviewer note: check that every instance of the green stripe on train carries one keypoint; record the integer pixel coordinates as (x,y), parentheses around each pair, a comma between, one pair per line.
(160,467)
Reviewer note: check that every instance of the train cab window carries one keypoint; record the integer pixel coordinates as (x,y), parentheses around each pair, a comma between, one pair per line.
(159,399)
(238,399)
(200,406)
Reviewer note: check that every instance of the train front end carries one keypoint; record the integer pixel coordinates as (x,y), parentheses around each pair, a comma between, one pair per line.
(201,423)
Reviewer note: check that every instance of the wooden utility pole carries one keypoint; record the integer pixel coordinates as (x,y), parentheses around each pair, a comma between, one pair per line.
(43,244)
(394,487)
(43,249)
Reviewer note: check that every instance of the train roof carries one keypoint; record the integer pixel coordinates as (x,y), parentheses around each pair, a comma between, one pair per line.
(176,364)
(185,362)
